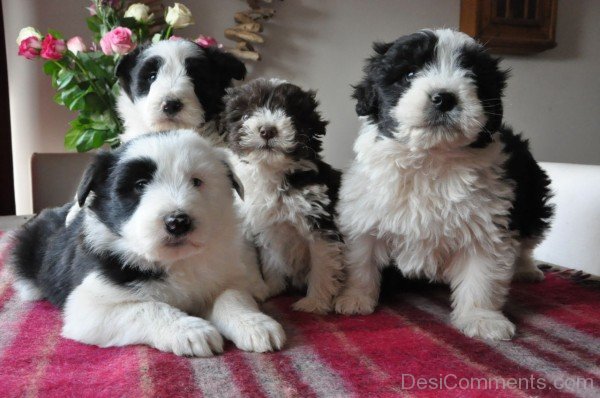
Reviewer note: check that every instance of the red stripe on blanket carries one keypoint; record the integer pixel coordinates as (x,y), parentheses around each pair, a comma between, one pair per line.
(474,350)
(243,376)
(363,378)
(78,369)
(171,375)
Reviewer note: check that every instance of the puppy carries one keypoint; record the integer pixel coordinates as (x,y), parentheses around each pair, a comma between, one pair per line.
(275,131)
(440,187)
(153,259)
(175,84)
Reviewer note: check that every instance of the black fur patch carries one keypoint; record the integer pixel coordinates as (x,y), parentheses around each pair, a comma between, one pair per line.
(387,76)
(56,259)
(531,213)
(329,177)
(118,190)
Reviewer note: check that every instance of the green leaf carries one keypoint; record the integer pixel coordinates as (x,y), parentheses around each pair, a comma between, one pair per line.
(93,23)
(72,137)
(65,77)
(130,23)
(56,34)
(90,139)
(58,99)
(51,67)
(68,95)
(94,104)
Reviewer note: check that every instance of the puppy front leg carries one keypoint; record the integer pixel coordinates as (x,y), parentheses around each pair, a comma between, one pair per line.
(236,315)
(480,284)
(324,276)
(273,270)
(364,257)
(258,287)
(104,315)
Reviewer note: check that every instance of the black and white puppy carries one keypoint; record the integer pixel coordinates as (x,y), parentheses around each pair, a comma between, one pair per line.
(175,84)
(275,131)
(154,258)
(440,187)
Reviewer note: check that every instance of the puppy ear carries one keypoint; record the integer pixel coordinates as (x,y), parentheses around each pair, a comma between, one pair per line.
(124,67)
(381,48)
(95,174)
(235,181)
(227,64)
(367,103)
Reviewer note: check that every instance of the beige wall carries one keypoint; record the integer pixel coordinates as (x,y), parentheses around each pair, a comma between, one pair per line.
(554,96)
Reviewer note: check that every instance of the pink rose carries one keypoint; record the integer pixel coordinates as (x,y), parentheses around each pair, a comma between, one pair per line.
(174,38)
(30,47)
(117,41)
(52,48)
(76,44)
(206,41)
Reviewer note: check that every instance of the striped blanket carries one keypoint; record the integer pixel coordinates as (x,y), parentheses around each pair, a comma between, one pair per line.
(406,348)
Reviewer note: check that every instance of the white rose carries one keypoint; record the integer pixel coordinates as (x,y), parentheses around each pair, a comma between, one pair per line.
(140,12)
(28,32)
(179,16)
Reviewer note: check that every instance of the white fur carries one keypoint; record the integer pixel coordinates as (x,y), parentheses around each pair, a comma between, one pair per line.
(204,277)
(436,207)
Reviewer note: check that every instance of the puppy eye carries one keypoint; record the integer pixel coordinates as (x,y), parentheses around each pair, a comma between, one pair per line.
(140,184)
(196,182)
(245,117)
(152,77)
(410,75)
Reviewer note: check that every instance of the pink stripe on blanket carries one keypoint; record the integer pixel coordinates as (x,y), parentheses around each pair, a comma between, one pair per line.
(23,363)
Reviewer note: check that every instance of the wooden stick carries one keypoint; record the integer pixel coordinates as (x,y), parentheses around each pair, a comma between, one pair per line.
(260,13)
(241,17)
(250,27)
(242,35)
(249,55)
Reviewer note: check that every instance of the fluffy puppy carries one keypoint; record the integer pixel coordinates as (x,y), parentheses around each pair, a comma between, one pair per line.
(275,131)
(153,259)
(175,84)
(440,187)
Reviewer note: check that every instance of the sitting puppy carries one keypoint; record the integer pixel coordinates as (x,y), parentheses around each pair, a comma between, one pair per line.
(439,186)
(175,84)
(290,193)
(155,256)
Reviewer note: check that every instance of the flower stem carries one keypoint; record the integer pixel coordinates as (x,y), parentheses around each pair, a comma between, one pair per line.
(101,93)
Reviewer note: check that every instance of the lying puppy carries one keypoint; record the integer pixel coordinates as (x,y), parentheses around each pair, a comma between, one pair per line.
(175,84)
(439,185)
(155,256)
(275,131)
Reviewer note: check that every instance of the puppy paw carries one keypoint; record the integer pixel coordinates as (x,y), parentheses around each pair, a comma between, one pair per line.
(491,325)
(311,304)
(258,333)
(192,336)
(354,304)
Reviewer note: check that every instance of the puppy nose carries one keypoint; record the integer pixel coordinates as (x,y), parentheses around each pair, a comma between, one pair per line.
(171,107)
(268,132)
(178,223)
(444,101)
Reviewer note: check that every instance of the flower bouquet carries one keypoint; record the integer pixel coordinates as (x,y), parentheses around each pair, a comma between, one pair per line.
(83,75)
